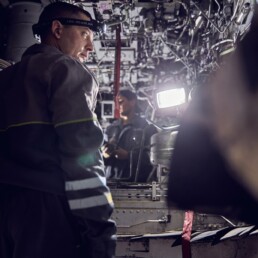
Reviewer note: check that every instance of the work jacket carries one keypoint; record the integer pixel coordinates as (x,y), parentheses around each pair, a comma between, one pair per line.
(50,137)
(134,138)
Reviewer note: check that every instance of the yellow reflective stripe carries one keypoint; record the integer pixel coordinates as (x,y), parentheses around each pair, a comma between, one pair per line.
(91,202)
(76,121)
(85,184)
(48,123)
(25,123)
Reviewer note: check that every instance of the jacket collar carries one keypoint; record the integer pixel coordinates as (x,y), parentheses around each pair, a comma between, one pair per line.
(41,48)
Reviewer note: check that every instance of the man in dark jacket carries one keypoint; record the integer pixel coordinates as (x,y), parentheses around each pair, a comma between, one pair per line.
(54,201)
(127,150)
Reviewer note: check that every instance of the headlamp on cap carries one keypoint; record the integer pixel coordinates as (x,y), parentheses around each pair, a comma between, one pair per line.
(92,24)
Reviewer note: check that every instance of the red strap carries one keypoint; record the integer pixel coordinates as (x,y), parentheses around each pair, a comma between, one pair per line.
(186,234)
(117,69)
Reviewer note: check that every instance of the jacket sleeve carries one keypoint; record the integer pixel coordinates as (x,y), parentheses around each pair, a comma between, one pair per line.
(72,96)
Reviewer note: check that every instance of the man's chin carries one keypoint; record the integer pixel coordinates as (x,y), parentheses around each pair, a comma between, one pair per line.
(82,59)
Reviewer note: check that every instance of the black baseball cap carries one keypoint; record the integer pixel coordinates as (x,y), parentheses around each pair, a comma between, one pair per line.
(130,95)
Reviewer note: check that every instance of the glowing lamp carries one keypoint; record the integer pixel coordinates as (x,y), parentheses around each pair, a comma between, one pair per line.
(171,97)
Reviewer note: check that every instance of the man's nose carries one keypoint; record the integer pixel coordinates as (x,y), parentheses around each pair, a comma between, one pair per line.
(89,47)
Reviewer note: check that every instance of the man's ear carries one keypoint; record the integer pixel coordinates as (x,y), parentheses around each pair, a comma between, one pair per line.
(56,28)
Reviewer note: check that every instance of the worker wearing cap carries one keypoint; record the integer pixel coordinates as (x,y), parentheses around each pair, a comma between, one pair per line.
(126,151)
(54,201)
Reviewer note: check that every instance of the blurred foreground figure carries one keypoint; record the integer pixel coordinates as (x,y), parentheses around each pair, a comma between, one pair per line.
(214,167)
(54,202)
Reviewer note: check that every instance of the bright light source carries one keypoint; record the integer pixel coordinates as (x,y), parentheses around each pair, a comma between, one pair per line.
(171,98)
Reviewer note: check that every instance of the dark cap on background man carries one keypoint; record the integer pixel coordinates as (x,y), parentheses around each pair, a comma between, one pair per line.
(128,94)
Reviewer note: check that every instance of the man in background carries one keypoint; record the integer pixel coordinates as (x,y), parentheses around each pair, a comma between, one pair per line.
(126,152)
(54,201)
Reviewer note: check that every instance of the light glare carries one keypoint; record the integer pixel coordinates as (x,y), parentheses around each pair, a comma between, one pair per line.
(171,98)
